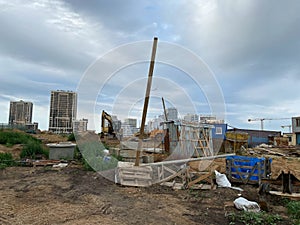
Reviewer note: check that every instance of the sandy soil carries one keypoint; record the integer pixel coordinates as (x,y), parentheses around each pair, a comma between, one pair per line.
(46,195)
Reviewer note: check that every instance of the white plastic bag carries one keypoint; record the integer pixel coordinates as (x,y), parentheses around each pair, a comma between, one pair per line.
(222,180)
(243,204)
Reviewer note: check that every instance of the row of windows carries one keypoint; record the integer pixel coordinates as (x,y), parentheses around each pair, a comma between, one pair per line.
(297,122)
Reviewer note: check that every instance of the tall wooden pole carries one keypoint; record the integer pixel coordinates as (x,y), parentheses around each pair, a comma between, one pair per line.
(146,102)
(165,112)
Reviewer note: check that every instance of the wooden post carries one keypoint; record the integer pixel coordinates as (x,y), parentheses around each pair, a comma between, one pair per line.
(146,102)
(165,112)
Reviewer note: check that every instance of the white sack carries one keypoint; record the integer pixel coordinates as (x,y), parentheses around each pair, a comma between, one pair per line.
(243,204)
(222,180)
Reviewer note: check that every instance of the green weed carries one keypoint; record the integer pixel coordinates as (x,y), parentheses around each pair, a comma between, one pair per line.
(253,218)
(293,208)
(32,149)
(6,159)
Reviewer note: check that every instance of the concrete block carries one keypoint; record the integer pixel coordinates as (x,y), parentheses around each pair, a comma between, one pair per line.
(62,150)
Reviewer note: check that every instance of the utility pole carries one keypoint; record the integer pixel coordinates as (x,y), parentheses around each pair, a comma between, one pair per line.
(165,112)
(146,102)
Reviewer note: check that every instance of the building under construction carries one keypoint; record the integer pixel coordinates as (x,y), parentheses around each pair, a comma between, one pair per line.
(20,113)
(63,110)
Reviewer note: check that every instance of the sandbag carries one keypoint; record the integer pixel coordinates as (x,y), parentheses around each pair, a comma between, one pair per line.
(222,180)
(246,205)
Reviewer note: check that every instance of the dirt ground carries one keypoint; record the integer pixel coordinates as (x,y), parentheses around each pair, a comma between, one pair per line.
(72,195)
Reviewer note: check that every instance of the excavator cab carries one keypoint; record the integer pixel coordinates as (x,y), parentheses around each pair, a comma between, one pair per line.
(107,128)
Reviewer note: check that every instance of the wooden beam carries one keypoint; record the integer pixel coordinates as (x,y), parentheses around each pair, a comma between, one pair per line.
(146,102)
(202,177)
(295,196)
(173,176)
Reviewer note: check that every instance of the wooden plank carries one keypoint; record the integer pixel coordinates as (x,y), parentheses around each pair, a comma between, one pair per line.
(169,170)
(244,180)
(135,169)
(291,196)
(270,151)
(244,167)
(202,177)
(174,185)
(137,184)
(172,176)
(135,176)
(203,187)
(160,172)
(244,174)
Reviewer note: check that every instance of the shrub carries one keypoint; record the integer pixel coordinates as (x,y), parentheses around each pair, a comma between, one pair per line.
(32,146)
(293,208)
(71,137)
(6,159)
(32,149)
(10,138)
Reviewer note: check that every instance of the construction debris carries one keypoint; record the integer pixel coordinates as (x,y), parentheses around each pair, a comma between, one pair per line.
(129,175)
(165,171)
(60,165)
(264,149)
(45,163)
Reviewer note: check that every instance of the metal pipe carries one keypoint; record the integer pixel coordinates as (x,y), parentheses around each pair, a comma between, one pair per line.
(188,160)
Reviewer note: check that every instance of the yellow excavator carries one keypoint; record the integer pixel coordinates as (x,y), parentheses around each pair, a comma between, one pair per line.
(107,128)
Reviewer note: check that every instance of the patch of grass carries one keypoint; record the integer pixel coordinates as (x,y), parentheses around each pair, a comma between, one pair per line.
(293,208)
(6,159)
(9,145)
(71,137)
(31,146)
(247,218)
(32,149)
(11,138)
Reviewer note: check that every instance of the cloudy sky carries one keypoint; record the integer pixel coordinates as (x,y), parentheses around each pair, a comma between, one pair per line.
(245,53)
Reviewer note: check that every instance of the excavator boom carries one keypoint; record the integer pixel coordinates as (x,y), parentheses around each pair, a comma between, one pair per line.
(107,129)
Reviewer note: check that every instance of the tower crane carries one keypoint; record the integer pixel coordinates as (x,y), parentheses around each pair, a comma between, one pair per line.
(289,126)
(263,119)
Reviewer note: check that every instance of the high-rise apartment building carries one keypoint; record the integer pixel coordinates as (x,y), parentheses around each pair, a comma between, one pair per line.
(156,123)
(172,114)
(80,125)
(210,119)
(63,110)
(20,113)
(116,123)
(129,127)
(191,118)
(131,122)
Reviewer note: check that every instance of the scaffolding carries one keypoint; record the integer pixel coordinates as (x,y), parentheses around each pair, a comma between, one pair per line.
(195,144)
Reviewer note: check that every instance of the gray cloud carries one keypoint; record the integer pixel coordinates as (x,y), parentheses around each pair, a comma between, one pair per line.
(252,46)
